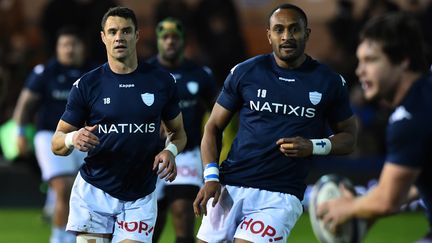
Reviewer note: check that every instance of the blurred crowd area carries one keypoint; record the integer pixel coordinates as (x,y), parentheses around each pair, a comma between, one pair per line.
(219,33)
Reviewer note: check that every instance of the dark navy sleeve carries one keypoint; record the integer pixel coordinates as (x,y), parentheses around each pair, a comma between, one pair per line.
(406,143)
(229,96)
(340,109)
(76,108)
(35,81)
(171,109)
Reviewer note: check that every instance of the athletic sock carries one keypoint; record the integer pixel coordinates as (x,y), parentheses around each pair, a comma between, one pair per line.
(60,235)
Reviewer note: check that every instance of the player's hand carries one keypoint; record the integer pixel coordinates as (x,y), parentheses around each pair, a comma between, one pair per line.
(209,190)
(297,147)
(337,211)
(165,164)
(84,139)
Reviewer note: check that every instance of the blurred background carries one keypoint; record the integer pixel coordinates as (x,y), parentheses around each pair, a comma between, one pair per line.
(219,34)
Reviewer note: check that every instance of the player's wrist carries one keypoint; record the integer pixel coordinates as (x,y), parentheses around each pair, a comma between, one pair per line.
(21,131)
(172,148)
(69,140)
(211,172)
(321,146)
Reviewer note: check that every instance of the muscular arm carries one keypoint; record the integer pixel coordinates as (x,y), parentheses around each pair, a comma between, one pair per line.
(386,198)
(390,193)
(26,105)
(211,141)
(23,114)
(210,148)
(58,140)
(84,139)
(342,142)
(345,136)
(175,132)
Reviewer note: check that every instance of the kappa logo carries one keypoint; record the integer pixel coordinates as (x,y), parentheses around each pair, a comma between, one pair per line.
(399,114)
(193,87)
(76,83)
(147,98)
(343,80)
(315,97)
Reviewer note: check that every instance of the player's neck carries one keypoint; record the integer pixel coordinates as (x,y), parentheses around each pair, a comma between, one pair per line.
(169,63)
(123,66)
(407,80)
(291,64)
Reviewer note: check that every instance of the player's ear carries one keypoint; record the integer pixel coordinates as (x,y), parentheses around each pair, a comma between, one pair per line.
(405,64)
(102,36)
(268,36)
(307,33)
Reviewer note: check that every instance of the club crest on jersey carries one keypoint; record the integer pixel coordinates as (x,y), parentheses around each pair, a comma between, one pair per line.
(315,97)
(148,98)
(192,86)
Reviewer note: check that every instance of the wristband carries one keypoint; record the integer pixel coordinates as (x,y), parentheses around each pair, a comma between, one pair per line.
(69,140)
(21,131)
(211,172)
(321,146)
(172,148)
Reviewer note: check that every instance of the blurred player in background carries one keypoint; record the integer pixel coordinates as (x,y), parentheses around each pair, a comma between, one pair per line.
(197,90)
(45,94)
(286,103)
(392,66)
(114,113)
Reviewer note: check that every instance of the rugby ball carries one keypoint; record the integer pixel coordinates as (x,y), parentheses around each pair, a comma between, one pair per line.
(326,188)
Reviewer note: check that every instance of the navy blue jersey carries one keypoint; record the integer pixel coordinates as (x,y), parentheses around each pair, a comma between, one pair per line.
(409,134)
(127,109)
(197,89)
(52,82)
(274,103)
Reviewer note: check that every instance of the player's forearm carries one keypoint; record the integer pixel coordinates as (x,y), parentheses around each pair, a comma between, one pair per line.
(374,204)
(179,139)
(342,143)
(24,108)
(210,144)
(58,145)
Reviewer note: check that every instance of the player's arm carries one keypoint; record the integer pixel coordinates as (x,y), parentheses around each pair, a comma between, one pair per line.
(164,162)
(345,136)
(386,198)
(23,113)
(342,142)
(210,150)
(67,137)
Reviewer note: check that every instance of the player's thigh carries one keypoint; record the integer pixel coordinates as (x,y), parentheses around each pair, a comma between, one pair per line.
(137,220)
(268,216)
(91,211)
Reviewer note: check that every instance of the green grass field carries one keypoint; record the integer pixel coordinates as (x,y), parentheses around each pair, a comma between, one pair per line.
(26,226)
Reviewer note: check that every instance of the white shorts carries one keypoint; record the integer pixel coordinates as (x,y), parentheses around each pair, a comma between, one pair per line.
(250,214)
(52,165)
(94,211)
(189,172)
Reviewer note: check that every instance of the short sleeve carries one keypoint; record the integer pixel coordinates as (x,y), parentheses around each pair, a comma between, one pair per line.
(406,142)
(340,108)
(229,97)
(35,81)
(171,109)
(76,111)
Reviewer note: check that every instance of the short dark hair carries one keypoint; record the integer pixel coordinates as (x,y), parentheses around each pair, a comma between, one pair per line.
(400,36)
(289,6)
(70,30)
(120,12)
